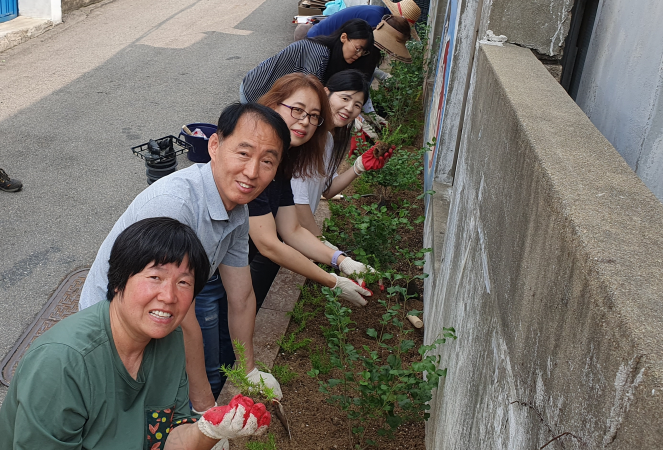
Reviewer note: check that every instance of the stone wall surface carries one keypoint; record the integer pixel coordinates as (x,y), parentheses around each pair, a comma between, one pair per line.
(552,274)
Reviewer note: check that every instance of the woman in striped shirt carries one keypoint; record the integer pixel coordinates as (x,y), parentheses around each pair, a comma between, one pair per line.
(323,56)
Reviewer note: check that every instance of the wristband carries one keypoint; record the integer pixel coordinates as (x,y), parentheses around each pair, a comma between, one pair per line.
(334,261)
(201,413)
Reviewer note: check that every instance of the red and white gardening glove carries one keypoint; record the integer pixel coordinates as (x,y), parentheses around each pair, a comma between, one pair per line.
(368,161)
(240,418)
(351,291)
(351,267)
(268,379)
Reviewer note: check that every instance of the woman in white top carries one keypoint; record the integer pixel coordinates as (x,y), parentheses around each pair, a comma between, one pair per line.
(347,91)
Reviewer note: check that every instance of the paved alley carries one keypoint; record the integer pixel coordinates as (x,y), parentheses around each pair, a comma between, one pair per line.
(74,100)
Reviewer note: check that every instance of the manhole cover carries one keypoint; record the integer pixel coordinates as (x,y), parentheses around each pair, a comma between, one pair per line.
(63,303)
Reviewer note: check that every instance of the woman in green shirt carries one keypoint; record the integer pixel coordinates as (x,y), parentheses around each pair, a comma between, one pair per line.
(113,375)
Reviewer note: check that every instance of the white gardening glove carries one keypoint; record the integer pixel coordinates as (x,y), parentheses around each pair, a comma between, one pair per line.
(328,244)
(351,267)
(241,417)
(255,375)
(351,291)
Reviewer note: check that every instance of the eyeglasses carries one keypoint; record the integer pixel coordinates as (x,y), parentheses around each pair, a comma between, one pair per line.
(359,50)
(300,114)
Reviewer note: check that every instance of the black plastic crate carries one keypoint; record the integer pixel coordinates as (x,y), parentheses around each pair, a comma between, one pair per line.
(162,149)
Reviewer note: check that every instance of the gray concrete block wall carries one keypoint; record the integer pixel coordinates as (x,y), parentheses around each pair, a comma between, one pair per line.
(72,5)
(552,275)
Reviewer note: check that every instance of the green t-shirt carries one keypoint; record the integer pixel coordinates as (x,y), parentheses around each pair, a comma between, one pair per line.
(72,391)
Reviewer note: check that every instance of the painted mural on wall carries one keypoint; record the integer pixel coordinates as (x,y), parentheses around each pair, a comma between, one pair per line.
(436,108)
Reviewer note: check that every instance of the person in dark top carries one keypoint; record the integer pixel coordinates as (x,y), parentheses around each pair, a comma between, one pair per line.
(276,236)
(348,47)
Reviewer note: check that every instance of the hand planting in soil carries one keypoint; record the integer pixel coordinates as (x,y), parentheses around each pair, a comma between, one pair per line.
(238,377)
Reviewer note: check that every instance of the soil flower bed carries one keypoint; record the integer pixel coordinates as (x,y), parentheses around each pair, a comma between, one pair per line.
(360,377)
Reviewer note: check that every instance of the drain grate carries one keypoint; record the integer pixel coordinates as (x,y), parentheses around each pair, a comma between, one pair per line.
(63,303)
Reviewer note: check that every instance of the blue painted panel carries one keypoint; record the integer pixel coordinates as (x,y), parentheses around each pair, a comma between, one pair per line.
(8,10)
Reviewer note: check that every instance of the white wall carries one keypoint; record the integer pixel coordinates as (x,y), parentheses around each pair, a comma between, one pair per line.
(42,9)
(620,88)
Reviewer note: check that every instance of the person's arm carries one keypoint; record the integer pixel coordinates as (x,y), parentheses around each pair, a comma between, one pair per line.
(263,233)
(340,182)
(241,307)
(188,437)
(200,392)
(306,219)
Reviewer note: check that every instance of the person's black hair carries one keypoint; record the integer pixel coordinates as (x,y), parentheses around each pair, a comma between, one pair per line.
(232,113)
(347,80)
(158,240)
(355,29)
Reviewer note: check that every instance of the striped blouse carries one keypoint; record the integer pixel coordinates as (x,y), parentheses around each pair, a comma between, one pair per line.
(303,56)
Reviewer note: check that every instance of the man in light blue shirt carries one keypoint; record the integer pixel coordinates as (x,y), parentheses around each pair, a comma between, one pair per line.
(211,198)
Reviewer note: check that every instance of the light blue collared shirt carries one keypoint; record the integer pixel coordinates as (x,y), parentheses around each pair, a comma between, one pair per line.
(190,196)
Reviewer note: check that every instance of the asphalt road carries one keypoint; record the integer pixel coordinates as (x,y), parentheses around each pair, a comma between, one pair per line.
(75,100)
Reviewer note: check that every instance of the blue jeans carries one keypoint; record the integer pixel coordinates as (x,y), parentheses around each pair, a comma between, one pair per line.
(212,315)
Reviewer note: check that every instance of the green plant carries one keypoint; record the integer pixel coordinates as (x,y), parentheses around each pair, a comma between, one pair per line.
(364,230)
(376,388)
(401,173)
(320,363)
(291,345)
(257,445)
(299,316)
(282,373)
(400,96)
(310,295)
(237,376)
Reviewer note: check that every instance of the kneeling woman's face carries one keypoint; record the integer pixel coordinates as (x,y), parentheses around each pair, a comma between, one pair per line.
(301,112)
(155,300)
(345,106)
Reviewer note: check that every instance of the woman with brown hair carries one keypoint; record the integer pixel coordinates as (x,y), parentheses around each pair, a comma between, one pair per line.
(303,104)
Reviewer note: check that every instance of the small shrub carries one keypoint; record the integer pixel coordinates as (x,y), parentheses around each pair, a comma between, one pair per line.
(257,445)
(283,373)
(291,345)
(237,376)
(320,363)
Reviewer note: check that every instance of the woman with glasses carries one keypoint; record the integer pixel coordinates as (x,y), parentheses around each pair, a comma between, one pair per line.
(347,91)
(276,236)
(350,47)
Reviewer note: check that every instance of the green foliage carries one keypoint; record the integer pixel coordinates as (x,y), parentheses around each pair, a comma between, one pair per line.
(401,173)
(310,295)
(237,376)
(400,96)
(291,344)
(283,374)
(257,445)
(320,362)
(377,389)
(364,230)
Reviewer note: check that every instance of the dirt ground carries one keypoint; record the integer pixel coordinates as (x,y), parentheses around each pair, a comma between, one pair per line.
(315,423)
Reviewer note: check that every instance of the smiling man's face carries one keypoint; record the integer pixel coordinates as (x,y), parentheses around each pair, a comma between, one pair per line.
(244,163)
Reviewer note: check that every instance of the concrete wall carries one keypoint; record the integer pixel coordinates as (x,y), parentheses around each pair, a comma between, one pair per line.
(620,88)
(541,25)
(72,5)
(41,9)
(552,273)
